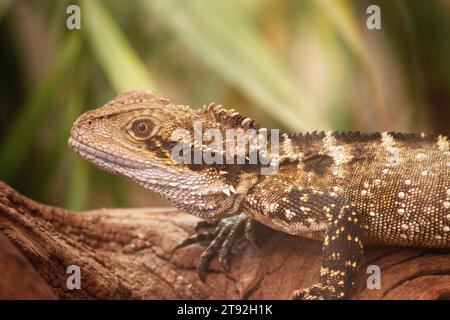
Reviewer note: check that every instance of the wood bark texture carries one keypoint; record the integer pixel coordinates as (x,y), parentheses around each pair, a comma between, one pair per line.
(129,254)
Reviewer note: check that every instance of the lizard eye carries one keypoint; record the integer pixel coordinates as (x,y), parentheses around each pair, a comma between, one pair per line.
(142,129)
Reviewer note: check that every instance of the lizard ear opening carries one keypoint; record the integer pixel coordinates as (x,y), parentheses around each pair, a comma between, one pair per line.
(142,128)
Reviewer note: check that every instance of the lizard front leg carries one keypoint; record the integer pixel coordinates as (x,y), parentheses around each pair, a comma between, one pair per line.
(222,239)
(319,215)
(341,254)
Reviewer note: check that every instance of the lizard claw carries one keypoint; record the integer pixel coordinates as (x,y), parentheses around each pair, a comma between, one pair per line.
(224,236)
(199,235)
(202,224)
(250,234)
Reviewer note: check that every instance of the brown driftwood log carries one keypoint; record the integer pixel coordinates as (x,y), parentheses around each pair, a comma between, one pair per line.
(129,254)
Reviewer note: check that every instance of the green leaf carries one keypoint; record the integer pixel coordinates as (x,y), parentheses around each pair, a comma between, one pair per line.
(342,17)
(4,6)
(78,180)
(111,49)
(17,143)
(78,185)
(223,38)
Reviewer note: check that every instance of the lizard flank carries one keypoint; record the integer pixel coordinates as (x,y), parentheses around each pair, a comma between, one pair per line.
(346,189)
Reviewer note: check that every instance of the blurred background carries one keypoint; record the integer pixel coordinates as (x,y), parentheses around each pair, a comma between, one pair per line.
(297,65)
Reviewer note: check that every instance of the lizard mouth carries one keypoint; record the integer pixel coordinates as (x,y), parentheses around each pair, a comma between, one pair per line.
(102,158)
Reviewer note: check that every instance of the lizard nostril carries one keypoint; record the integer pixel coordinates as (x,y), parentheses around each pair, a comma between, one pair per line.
(89,122)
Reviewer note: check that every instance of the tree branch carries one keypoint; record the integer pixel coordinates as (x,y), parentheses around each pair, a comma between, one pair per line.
(129,254)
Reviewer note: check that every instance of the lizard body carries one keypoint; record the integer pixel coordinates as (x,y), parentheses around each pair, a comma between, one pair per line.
(347,189)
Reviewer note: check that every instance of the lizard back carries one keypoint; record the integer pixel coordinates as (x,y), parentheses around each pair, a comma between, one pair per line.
(398,183)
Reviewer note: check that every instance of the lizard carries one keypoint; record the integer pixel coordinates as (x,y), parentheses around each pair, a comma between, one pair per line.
(347,189)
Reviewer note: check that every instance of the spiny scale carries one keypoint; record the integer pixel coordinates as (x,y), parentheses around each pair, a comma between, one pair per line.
(347,189)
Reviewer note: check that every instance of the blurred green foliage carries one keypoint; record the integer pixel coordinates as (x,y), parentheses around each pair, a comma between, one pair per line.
(297,65)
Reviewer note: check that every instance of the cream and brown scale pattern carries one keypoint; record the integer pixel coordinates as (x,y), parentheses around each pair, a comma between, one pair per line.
(347,189)
(351,189)
(399,185)
(401,196)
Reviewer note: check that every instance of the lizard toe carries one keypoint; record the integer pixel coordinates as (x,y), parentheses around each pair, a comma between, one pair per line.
(224,237)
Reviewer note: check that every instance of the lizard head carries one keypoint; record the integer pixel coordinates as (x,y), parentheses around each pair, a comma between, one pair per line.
(132,136)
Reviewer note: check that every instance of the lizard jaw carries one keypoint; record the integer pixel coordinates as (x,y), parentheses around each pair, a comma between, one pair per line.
(101,158)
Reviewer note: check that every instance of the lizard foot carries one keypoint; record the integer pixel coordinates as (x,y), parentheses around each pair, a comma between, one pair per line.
(317,292)
(224,235)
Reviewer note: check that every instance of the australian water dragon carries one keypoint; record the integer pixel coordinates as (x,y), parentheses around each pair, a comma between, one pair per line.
(347,189)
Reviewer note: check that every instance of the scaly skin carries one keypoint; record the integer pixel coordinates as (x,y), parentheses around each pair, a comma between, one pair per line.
(345,189)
